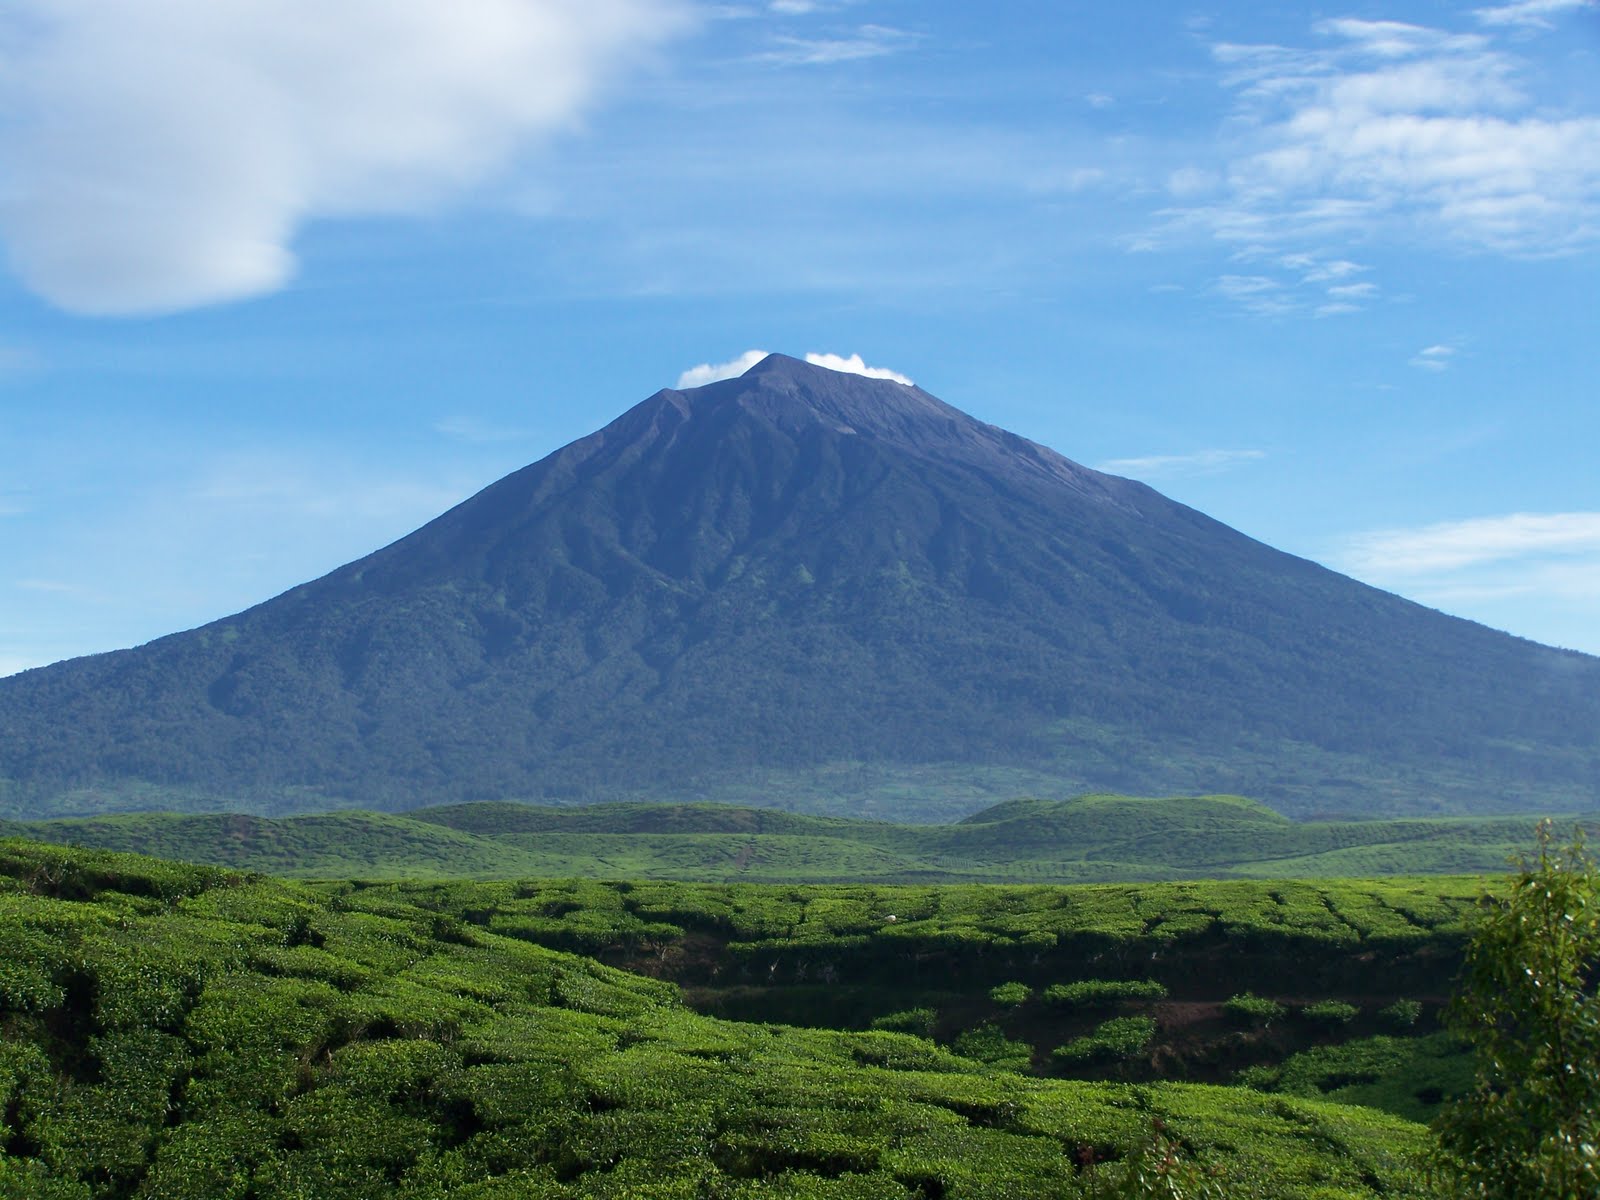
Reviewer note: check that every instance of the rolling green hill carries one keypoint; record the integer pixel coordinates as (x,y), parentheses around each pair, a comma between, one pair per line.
(1082,840)
(834,593)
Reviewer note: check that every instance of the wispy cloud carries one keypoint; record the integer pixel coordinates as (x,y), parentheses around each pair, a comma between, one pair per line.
(163,154)
(712,372)
(1453,545)
(1536,13)
(1200,462)
(853,365)
(1519,570)
(1258,294)
(1386,130)
(1433,358)
(865,41)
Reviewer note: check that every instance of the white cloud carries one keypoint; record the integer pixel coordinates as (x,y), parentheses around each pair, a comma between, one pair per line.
(1259,294)
(163,154)
(711,372)
(1323,272)
(1433,358)
(1201,462)
(1529,12)
(1383,129)
(868,41)
(1537,573)
(855,366)
(1453,545)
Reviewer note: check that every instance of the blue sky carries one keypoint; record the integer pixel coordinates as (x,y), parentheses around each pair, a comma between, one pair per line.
(287,279)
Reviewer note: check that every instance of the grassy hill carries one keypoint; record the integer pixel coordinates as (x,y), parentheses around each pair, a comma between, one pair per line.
(192,1033)
(1091,838)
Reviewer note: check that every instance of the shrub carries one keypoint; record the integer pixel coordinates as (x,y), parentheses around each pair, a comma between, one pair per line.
(988,1044)
(1402,1014)
(1120,1037)
(1011,994)
(1095,993)
(1331,1013)
(1249,1009)
(912,1020)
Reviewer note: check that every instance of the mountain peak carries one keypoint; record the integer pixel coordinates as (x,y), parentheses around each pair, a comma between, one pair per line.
(809,583)
(794,394)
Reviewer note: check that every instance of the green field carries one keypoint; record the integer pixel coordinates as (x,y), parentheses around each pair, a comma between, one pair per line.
(1088,839)
(178,1031)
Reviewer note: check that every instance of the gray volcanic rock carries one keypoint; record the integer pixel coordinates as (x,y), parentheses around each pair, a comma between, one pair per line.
(813,588)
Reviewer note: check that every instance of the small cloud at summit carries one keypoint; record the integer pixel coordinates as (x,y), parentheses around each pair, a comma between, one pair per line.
(711,372)
(853,365)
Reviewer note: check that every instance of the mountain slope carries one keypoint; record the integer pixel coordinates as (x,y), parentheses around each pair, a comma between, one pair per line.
(807,587)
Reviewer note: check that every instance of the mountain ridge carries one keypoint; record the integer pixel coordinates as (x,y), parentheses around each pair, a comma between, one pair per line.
(803,585)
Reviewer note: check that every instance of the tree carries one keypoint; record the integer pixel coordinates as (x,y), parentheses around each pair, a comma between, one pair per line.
(1528,1005)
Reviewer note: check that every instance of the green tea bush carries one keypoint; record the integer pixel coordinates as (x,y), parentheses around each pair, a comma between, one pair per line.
(1252,1010)
(1011,994)
(1099,993)
(988,1043)
(1330,1013)
(1402,1014)
(1120,1037)
(918,1021)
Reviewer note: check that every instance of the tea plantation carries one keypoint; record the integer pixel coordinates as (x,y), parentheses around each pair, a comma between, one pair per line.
(178,1032)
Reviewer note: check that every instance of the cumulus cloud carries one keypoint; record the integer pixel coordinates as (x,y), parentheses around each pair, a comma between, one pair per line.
(163,154)
(711,372)
(1201,462)
(855,366)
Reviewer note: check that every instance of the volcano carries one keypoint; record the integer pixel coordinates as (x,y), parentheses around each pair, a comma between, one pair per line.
(814,589)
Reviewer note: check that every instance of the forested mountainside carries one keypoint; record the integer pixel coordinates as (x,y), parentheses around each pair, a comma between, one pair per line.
(809,588)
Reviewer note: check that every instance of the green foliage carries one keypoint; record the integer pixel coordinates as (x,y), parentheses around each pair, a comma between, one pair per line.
(1528,1005)
(1330,1013)
(251,1039)
(1098,993)
(1249,1009)
(918,1021)
(1402,1014)
(1407,1076)
(988,1043)
(1011,994)
(1120,1037)
(1157,1168)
